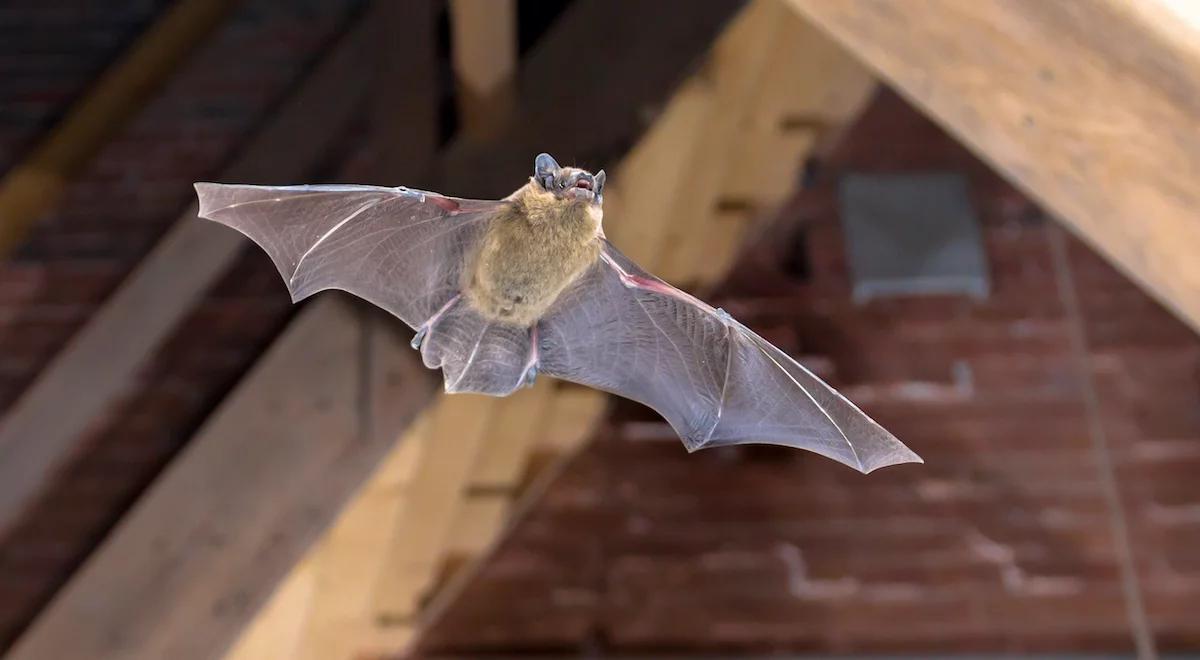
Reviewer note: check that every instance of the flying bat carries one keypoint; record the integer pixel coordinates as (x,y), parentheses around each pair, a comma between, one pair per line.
(500,291)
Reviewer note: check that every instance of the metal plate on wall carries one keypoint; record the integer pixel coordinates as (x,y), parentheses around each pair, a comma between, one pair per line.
(912,234)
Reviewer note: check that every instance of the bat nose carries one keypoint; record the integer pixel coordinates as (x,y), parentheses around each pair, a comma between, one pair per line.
(585,181)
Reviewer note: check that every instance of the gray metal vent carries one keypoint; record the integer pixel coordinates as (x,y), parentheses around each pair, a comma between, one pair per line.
(912,234)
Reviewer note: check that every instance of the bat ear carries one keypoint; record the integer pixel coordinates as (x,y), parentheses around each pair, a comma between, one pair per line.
(600,177)
(544,164)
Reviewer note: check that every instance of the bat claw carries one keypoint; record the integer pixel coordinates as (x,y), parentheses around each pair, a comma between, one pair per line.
(428,324)
(418,338)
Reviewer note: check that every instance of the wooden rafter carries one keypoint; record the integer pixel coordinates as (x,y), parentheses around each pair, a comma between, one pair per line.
(32,188)
(198,554)
(484,55)
(469,482)
(1090,107)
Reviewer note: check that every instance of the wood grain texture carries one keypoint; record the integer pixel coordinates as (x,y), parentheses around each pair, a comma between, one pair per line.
(459,427)
(772,74)
(200,552)
(1091,108)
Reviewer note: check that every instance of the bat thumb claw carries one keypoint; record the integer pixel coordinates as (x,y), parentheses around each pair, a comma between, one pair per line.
(417,339)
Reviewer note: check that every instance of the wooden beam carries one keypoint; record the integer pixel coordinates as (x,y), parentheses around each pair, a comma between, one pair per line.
(32,188)
(279,628)
(725,151)
(484,55)
(439,502)
(337,613)
(571,418)
(200,552)
(100,364)
(1091,108)
(458,430)
(781,89)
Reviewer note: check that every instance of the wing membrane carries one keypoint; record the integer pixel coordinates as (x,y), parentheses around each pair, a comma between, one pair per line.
(399,248)
(624,331)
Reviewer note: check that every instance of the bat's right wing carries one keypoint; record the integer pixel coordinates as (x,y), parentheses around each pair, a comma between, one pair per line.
(622,330)
(399,248)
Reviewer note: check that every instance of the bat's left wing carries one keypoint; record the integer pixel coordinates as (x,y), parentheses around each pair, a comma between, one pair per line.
(622,330)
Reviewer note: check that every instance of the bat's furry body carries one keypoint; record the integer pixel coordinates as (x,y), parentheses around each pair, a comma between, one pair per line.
(500,291)
(534,248)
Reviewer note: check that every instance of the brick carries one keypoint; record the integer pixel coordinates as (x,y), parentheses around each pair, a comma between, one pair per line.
(49,54)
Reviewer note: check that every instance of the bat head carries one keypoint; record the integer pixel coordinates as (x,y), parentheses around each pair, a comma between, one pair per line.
(568,182)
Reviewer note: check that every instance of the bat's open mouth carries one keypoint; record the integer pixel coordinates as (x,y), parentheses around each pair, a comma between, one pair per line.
(583,183)
(581,192)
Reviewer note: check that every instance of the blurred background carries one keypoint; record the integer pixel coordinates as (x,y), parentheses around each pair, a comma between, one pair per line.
(978,220)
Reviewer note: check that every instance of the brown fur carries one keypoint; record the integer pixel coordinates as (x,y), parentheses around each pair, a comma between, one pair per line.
(531,252)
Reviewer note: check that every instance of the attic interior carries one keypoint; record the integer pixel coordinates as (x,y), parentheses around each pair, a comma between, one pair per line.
(975,220)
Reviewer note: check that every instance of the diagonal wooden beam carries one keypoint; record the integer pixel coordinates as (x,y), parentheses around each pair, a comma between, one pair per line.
(410,533)
(1091,108)
(196,556)
(100,364)
(32,188)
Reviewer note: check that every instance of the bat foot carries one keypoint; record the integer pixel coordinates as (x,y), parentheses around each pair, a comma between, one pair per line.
(418,338)
(530,376)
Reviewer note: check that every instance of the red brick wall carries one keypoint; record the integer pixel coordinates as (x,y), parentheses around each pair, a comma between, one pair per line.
(50,52)
(1002,541)
(126,198)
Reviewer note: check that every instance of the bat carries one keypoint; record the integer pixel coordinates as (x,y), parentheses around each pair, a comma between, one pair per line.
(500,291)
